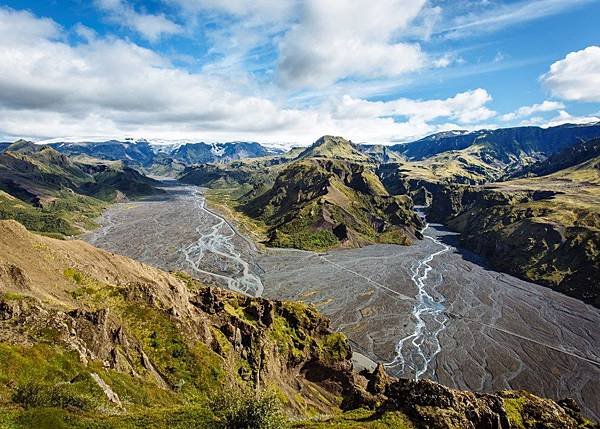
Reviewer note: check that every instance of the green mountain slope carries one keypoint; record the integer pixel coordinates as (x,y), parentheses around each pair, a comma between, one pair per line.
(49,192)
(545,229)
(318,202)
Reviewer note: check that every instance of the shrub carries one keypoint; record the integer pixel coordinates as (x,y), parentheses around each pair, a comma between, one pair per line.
(245,410)
(35,394)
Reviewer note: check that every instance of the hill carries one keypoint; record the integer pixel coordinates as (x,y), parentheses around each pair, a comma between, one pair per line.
(330,196)
(545,229)
(96,340)
(50,192)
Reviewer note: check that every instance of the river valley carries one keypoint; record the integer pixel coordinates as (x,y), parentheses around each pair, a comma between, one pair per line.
(430,310)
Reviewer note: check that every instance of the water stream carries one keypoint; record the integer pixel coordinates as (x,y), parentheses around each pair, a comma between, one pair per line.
(219,241)
(417,351)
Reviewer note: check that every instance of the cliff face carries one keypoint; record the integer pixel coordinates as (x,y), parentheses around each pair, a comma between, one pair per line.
(540,235)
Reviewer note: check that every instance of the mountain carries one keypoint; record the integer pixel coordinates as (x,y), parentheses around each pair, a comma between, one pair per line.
(332,147)
(202,153)
(544,229)
(568,157)
(135,152)
(330,196)
(505,144)
(507,149)
(162,158)
(380,153)
(50,192)
(95,340)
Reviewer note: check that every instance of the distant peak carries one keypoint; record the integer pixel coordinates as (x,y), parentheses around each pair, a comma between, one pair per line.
(328,139)
(334,147)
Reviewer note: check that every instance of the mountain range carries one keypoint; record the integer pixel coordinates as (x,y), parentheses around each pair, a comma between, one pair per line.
(94,339)
(144,154)
(483,184)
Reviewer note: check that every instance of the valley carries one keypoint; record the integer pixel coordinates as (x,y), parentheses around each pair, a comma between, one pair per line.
(177,232)
(430,310)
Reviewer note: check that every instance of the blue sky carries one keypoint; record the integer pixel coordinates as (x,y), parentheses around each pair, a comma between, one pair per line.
(288,71)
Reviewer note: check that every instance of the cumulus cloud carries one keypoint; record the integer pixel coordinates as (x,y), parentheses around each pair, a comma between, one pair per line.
(466,108)
(337,39)
(152,27)
(524,111)
(50,87)
(576,77)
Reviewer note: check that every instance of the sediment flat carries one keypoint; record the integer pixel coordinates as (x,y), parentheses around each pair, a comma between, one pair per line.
(466,325)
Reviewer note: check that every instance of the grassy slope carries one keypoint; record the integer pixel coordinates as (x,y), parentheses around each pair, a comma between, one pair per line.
(193,353)
(553,240)
(50,193)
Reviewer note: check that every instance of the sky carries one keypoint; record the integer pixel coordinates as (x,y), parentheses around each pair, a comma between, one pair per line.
(288,71)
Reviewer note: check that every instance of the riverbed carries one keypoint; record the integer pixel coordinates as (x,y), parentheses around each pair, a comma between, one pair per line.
(430,310)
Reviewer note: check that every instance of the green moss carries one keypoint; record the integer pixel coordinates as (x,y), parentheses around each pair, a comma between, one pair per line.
(187,366)
(182,417)
(287,339)
(73,274)
(191,283)
(359,419)
(514,409)
(46,375)
(12,296)
(334,347)
(241,313)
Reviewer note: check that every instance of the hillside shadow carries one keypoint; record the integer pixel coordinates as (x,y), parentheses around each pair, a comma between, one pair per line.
(452,238)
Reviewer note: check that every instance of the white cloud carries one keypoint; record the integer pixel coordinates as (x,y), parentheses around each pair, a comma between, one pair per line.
(563,117)
(467,107)
(266,10)
(152,27)
(337,39)
(111,87)
(524,111)
(497,15)
(576,77)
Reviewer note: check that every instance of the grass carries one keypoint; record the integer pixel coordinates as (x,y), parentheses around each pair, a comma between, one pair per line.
(514,408)
(65,216)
